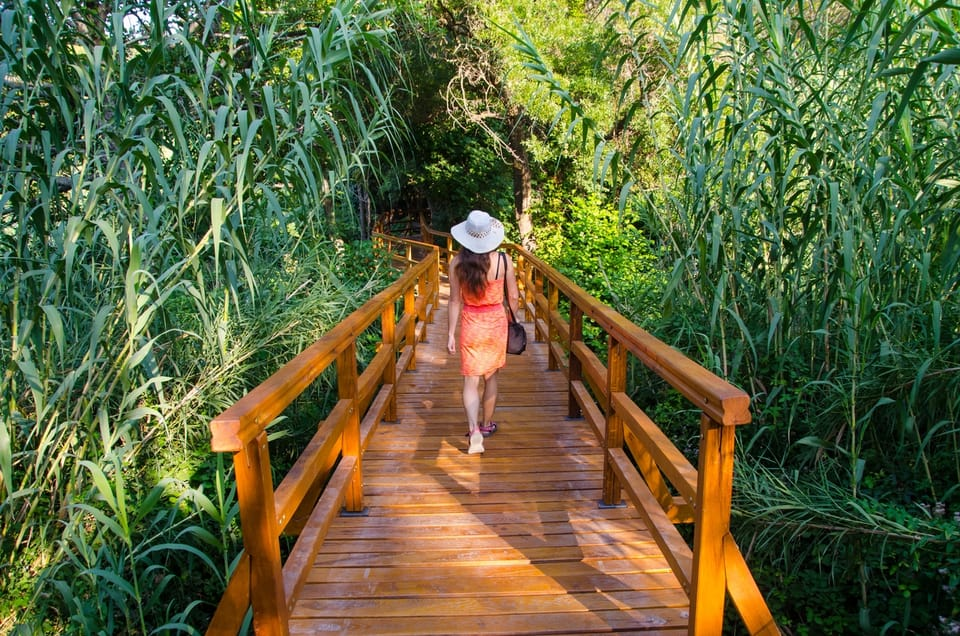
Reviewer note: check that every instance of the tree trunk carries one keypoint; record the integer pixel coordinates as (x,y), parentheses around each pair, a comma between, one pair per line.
(522,178)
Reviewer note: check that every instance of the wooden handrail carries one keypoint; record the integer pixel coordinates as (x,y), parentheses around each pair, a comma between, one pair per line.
(597,392)
(328,476)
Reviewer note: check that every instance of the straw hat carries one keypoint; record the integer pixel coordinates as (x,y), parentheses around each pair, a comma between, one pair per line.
(480,233)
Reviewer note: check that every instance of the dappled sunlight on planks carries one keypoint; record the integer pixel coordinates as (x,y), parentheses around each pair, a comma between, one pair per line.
(509,542)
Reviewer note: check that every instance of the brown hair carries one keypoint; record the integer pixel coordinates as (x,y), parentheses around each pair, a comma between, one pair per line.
(472,271)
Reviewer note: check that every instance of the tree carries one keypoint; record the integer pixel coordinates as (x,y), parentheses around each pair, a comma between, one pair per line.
(490,90)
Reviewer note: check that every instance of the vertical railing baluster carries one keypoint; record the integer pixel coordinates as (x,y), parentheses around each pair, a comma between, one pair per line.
(525,288)
(409,312)
(616,383)
(347,390)
(537,279)
(553,303)
(575,366)
(422,311)
(258,524)
(388,327)
(708,584)
(435,284)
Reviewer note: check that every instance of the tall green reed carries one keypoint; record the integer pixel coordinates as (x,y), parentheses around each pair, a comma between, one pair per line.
(806,197)
(149,183)
(804,191)
(810,212)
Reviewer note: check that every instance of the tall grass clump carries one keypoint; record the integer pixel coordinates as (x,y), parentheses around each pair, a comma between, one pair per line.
(808,200)
(175,181)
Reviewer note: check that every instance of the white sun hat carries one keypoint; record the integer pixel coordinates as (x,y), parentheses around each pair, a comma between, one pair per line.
(480,233)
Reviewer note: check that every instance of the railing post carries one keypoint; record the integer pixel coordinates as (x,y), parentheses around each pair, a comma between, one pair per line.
(258,523)
(537,279)
(616,383)
(437,271)
(347,390)
(526,297)
(575,370)
(433,282)
(421,288)
(410,311)
(553,303)
(388,328)
(708,585)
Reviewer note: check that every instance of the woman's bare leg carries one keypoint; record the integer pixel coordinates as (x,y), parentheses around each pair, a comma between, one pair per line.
(471,400)
(489,397)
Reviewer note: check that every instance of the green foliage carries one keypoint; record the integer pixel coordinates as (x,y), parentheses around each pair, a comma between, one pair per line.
(603,251)
(461,171)
(169,202)
(861,565)
(809,222)
(117,551)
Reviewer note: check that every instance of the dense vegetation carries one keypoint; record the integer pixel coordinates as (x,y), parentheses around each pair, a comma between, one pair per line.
(180,217)
(807,200)
(187,187)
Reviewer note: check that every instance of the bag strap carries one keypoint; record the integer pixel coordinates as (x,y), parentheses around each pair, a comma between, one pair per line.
(505,297)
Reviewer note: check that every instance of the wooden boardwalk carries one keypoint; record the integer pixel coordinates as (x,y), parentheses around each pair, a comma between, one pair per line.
(509,542)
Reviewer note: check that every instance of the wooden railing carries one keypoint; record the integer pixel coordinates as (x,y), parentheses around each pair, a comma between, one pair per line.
(328,476)
(714,566)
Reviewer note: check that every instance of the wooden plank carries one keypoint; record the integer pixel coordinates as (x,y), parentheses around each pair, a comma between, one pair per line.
(235,603)
(668,457)
(369,382)
(314,459)
(375,413)
(591,412)
(295,570)
(405,360)
(674,547)
(544,623)
(535,519)
(493,600)
(629,539)
(593,369)
(745,594)
(560,326)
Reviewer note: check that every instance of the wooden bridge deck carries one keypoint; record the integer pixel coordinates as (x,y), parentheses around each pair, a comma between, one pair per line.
(509,542)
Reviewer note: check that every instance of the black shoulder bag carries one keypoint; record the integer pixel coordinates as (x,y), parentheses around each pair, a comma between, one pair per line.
(516,334)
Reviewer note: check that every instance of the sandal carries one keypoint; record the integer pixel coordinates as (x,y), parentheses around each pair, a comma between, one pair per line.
(488,429)
(476,443)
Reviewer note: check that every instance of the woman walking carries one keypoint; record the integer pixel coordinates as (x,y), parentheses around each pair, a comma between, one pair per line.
(478,276)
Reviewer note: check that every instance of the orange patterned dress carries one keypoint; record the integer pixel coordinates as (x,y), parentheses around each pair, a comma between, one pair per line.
(483,331)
